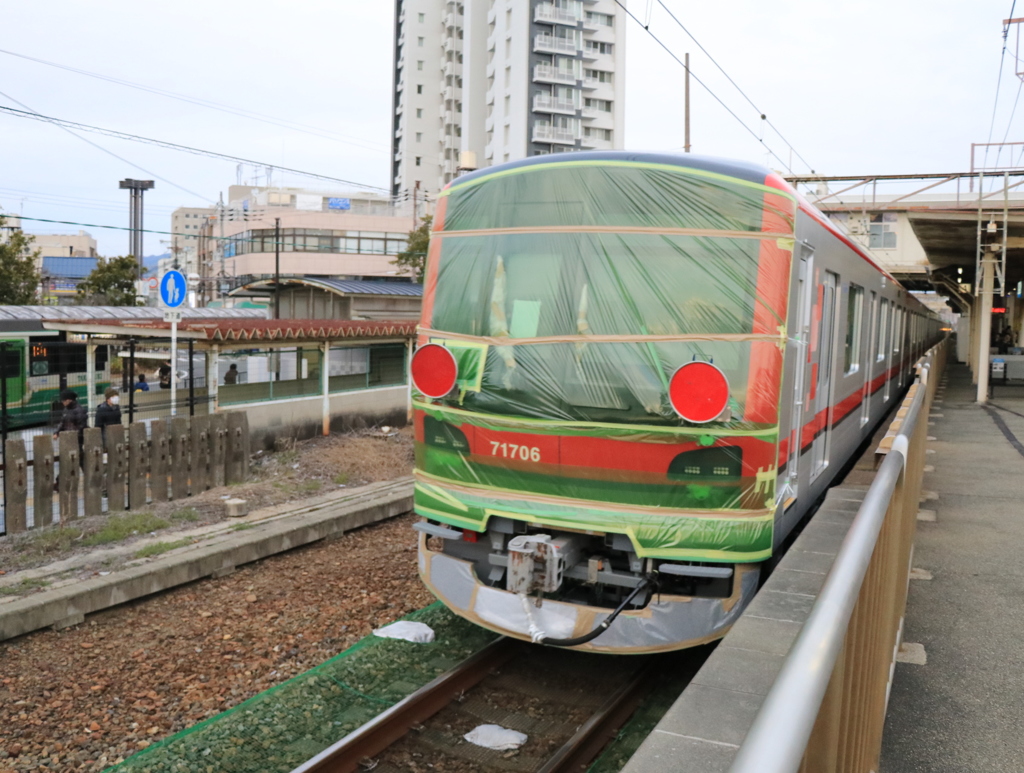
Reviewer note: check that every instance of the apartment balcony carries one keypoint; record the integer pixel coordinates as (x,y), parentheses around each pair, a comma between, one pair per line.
(450,143)
(552,44)
(450,22)
(450,45)
(489,123)
(452,92)
(593,143)
(545,103)
(554,134)
(551,14)
(448,118)
(546,73)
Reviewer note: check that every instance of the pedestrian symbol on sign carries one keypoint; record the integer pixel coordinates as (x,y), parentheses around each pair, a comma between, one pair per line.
(172,289)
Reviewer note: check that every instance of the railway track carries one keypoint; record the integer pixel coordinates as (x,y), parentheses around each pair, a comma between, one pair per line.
(569,704)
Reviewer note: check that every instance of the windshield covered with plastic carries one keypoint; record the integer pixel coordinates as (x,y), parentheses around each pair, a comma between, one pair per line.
(567,290)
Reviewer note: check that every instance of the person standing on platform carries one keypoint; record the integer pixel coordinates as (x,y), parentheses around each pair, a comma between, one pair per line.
(142,385)
(108,413)
(231,377)
(165,374)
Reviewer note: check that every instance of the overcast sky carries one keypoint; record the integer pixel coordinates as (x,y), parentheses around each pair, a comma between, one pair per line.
(893,86)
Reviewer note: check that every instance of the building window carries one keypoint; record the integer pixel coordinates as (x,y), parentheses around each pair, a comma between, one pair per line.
(419,88)
(600,18)
(605,105)
(417,160)
(596,47)
(419,136)
(419,112)
(419,42)
(600,134)
(601,76)
(422,17)
(882,233)
(419,63)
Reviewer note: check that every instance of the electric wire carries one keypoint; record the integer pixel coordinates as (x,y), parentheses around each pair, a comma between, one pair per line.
(721,69)
(108,152)
(999,81)
(182,148)
(705,87)
(238,111)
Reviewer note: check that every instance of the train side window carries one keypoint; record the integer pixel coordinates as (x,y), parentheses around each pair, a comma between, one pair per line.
(883,319)
(854,322)
(897,322)
(102,354)
(12,363)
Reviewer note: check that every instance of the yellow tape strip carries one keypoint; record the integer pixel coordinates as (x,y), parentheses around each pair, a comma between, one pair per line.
(516,422)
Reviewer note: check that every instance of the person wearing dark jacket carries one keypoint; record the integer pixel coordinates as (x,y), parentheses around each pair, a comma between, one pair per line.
(108,412)
(75,417)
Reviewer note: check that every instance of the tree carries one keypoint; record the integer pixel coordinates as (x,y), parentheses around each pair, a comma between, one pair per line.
(413,258)
(19,279)
(111,283)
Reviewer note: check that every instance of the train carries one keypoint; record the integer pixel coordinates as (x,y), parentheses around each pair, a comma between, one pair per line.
(635,375)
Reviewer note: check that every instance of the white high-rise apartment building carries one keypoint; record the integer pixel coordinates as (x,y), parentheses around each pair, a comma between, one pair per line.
(481,82)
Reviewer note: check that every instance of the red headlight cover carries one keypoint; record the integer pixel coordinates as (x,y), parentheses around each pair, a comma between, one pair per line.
(434,370)
(699,392)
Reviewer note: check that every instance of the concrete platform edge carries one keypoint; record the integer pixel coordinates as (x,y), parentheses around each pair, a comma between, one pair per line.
(703,730)
(70,604)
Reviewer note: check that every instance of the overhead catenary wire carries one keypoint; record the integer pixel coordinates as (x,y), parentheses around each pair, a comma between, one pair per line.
(238,111)
(999,81)
(721,69)
(182,148)
(110,152)
(707,88)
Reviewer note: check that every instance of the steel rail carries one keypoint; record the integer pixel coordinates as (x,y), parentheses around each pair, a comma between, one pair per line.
(594,734)
(779,734)
(386,728)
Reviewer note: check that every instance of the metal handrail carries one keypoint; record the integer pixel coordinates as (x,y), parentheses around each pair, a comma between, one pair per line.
(780,732)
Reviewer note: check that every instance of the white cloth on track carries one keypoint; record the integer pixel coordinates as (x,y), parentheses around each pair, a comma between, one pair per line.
(421,633)
(495,737)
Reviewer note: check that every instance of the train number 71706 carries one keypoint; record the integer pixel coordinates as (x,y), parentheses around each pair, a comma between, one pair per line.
(515,451)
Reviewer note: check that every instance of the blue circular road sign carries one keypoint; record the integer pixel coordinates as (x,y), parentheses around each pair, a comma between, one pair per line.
(173,289)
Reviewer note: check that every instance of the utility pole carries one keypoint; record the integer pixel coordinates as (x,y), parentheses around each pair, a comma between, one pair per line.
(137,187)
(277,268)
(686,113)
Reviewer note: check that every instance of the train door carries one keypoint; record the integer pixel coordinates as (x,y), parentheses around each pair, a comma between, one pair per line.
(885,345)
(897,344)
(869,360)
(822,388)
(801,336)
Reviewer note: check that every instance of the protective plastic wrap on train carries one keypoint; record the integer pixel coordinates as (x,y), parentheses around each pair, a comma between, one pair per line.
(569,296)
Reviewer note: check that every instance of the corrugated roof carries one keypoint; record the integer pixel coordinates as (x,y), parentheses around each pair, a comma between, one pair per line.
(292,329)
(340,286)
(67,267)
(105,313)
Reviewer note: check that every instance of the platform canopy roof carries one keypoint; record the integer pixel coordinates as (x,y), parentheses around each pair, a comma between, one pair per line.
(338,286)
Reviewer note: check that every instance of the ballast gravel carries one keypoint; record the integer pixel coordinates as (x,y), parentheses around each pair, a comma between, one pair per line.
(86,697)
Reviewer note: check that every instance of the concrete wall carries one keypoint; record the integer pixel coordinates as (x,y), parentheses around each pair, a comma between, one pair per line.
(303,418)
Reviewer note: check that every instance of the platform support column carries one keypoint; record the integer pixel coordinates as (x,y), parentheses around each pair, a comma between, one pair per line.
(988,272)
(325,376)
(213,377)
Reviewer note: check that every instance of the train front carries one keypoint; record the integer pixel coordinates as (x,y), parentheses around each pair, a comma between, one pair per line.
(596,396)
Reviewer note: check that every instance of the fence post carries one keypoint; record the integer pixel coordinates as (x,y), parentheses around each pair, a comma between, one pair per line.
(218,440)
(69,472)
(116,467)
(92,451)
(131,381)
(236,469)
(200,454)
(191,377)
(15,486)
(179,449)
(158,461)
(3,398)
(138,458)
(42,480)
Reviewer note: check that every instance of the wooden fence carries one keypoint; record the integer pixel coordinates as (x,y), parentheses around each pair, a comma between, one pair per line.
(174,460)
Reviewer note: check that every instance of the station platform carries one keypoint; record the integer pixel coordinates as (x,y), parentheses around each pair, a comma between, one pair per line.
(957,699)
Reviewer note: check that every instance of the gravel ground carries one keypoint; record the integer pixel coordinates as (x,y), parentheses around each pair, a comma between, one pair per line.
(84,698)
(312,467)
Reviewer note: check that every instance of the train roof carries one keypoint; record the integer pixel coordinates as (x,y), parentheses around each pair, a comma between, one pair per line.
(742,170)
